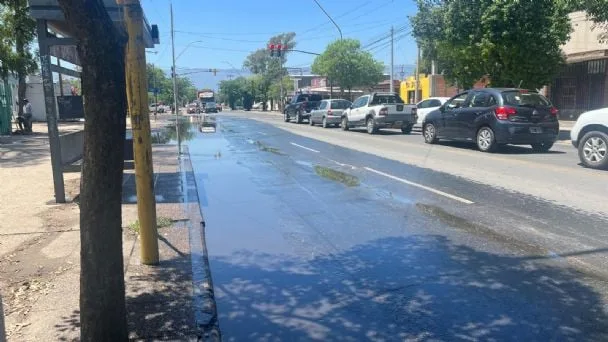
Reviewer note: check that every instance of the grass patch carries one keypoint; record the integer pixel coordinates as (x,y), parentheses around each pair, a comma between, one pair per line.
(161,222)
(338,176)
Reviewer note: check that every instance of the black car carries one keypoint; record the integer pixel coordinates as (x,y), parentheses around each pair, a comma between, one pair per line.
(495,116)
(300,107)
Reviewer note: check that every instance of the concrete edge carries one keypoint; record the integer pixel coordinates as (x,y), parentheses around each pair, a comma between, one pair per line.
(205,309)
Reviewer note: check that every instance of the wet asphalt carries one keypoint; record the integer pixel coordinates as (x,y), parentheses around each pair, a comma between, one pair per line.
(312,241)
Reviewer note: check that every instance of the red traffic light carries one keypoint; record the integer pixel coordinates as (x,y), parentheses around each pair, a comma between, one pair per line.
(271,46)
(279,47)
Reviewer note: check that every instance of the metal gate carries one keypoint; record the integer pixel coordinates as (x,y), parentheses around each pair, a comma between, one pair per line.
(6,110)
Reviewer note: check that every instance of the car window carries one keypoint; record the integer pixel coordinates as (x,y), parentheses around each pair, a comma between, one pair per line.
(492,101)
(340,104)
(457,101)
(323,105)
(434,103)
(361,101)
(479,99)
(524,98)
(385,98)
(423,104)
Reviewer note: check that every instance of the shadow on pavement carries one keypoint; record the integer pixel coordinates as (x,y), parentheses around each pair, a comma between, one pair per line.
(418,288)
(20,151)
(506,149)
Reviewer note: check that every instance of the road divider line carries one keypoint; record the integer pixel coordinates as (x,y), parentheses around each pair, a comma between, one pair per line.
(420,186)
(304,147)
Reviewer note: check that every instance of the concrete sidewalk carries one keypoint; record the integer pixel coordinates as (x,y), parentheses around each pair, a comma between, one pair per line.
(40,249)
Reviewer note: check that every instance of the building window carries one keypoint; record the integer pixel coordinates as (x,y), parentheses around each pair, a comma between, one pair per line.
(567,97)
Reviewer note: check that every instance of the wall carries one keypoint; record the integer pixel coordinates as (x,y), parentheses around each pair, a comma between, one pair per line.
(35,94)
(72,145)
(583,37)
(408,86)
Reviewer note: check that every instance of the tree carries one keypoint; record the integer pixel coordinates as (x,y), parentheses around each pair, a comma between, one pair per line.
(101,51)
(17,30)
(515,43)
(344,62)
(271,69)
(233,91)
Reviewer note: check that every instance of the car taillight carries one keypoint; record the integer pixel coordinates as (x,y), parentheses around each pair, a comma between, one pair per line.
(503,112)
(329,112)
(554,111)
(383,111)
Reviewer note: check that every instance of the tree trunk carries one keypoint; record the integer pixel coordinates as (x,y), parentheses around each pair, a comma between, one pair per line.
(20,50)
(102,288)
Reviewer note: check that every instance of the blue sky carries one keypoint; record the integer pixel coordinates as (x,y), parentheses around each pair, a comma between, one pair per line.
(230,29)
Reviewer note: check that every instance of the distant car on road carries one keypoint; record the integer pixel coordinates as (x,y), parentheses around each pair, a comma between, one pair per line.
(329,112)
(379,110)
(191,108)
(493,117)
(156,108)
(210,107)
(428,105)
(590,136)
(300,107)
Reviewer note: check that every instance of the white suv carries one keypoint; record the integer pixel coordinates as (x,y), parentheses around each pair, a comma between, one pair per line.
(590,136)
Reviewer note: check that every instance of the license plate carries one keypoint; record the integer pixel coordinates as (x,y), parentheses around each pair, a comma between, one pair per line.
(399,108)
(398,123)
(536,130)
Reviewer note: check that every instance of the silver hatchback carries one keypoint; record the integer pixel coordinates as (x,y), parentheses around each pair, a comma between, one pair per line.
(329,112)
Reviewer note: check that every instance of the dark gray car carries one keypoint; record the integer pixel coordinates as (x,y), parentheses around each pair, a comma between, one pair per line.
(329,112)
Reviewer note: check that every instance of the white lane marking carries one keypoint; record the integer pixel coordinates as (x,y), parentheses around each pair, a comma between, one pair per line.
(424,187)
(304,147)
(342,164)
(262,133)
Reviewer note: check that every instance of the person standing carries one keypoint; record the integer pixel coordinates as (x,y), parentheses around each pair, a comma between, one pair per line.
(27,115)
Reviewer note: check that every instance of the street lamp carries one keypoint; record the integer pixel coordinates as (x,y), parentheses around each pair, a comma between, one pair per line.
(233,67)
(330,18)
(186,48)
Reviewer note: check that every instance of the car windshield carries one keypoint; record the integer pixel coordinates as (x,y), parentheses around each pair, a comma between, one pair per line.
(340,104)
(309,97)
(385,99)
(523,98)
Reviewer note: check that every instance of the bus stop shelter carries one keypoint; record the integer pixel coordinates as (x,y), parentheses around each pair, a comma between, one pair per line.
(56,40)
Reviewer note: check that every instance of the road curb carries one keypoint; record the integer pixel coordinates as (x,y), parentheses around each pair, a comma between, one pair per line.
(205,308)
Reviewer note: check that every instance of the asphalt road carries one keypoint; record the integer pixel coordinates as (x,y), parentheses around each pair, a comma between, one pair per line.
(318,234)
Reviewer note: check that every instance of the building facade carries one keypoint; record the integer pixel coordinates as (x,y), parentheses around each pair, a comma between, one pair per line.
(581,84)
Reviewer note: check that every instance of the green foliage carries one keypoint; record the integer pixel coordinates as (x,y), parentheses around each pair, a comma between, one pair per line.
(157,78)
(515,43)
(345,63)
(17,31)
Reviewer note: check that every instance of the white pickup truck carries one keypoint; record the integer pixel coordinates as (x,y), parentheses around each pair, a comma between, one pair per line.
(379,110)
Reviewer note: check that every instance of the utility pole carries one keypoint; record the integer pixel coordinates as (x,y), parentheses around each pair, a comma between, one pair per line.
(392,86)
(137,97)
(174,76)
(432,80)
(416,99)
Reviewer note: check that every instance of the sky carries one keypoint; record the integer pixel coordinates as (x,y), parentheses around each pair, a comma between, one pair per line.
(220,34)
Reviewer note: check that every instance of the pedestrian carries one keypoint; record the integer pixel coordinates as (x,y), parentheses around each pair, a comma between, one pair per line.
(27,115)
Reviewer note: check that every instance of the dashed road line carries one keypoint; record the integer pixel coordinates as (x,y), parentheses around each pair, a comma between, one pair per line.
(304,147)
(420,186)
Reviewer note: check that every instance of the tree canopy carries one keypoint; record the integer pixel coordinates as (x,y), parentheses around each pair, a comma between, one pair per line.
(344,62)
(157,78)
(515,43)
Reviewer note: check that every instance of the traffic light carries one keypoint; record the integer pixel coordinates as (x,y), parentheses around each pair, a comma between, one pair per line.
(271,47)
(279,47)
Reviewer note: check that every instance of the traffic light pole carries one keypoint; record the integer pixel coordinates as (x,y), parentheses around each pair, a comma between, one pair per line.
(174,76)
(137,97)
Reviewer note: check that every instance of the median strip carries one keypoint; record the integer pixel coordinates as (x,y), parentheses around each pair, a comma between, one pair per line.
(420,186)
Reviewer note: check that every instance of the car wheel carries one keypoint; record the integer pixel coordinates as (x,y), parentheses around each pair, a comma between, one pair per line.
(430,133)
(407,129)
(344,124)
(486,141)
(370,124)
(324,124)
(310,122)
(298,117)
(542,147)
(592,150)
(285,117)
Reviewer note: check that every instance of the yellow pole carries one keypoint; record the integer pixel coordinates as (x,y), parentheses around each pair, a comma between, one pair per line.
(137,96)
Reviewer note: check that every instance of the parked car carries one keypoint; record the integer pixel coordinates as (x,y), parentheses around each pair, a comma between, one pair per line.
(590,136)
(329,112)
(156,108)
(379,110)
(495,117)
(428,105)
(257,106)
(210,107)
(300,107)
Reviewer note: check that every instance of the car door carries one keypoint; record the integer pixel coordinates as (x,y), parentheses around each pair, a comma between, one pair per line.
(449,115)
(356,115)
(466,117)
(421,110)
(316,113)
